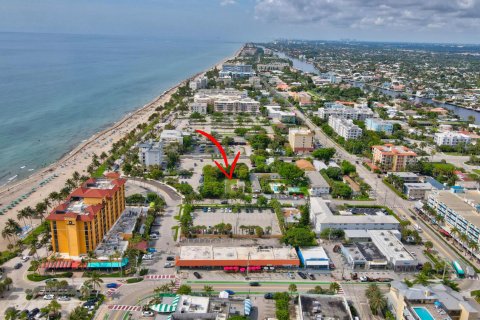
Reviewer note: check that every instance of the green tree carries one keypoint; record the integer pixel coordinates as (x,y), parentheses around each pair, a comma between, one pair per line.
(334,287)
(347,168)
(299,236)
(262,201)
(79,313)
(324,154)
(184,289)
(428,245)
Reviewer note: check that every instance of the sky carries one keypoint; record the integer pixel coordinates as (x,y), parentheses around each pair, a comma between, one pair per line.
(456,21)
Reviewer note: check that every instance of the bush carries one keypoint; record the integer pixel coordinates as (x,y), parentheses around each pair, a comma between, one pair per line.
(134,280)
(7,255)
(38,277)
(143,272)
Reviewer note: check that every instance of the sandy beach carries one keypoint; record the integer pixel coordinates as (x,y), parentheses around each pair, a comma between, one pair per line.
(79,158)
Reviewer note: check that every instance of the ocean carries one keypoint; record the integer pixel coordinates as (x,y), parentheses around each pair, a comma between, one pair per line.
(57,90)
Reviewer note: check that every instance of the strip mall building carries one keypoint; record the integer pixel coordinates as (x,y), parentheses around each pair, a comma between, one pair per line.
(237,259)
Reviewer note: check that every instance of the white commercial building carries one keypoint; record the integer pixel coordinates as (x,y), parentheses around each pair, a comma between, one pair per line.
(150,153)
(451,138)
(399,259)
(339,110)
(275,113)
(416,190)
(200,107)
(345,128)
(171,136)
(322,218)
(318,185)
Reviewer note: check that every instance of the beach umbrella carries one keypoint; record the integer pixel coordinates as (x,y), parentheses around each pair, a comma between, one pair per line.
(247,307)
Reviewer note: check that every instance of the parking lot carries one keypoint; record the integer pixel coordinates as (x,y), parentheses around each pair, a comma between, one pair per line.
(264,218)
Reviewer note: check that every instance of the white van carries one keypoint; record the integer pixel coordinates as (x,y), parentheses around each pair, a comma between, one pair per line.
(417,227)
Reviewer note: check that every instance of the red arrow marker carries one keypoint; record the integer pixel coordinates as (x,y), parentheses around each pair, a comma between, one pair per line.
(224,155)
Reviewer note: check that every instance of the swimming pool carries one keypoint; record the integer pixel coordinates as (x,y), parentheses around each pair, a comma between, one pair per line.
(423,313)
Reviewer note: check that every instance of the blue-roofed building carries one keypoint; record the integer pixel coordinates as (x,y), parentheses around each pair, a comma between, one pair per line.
(436,185)
(314,257)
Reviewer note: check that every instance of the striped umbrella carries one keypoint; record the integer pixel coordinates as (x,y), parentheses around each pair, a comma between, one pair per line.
(248,307)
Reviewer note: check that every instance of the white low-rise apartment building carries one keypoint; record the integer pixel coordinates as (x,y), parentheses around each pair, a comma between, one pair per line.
(322,218)
(451,138)
(228,100)
(199,107)
(318,185)
(345,128)
(171,136)
(275,113)
(398,258)
(339,110)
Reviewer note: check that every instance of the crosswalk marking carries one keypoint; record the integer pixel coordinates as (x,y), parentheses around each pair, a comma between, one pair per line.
(159,276)
(121,307)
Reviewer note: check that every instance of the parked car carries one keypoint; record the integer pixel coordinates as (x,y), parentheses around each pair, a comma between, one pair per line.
(363,279)
(33,313)
(302,275)
(48,297)
(311,276)
(112,285)
(147,257)
(170,258)
(254,284)
(154,236)
(63,298)
(224,202)
(168,265)
(197,275)
(291,275)
(151,250)
(147,313)
(17,266)
(268,295)
(25,258)
(230,292)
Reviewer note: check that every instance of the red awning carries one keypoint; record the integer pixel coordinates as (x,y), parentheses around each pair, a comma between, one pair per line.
(60,264)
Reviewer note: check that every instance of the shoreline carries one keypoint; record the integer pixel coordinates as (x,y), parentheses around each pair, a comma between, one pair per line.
(80,156)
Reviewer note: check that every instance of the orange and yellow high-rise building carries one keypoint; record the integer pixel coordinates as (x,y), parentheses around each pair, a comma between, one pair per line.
(79,224)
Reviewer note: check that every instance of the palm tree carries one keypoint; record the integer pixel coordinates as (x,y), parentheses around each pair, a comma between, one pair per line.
(463,238)
(208,290)
(428,245)
(422,279)
(76,177)
(334,287)
(41,209)
(22,215)
(292,288)
(54,197)
(473,246)
(377,302)
(455,231)
(7,234)
(371,290)
(163,288)
(53,308)
(95,280)
(11,313)
(85,290)
(8,281)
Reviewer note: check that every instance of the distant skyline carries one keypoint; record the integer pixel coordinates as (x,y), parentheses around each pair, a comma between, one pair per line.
(455,21)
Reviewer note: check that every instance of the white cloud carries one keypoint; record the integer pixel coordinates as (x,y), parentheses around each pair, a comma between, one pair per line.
(406,14)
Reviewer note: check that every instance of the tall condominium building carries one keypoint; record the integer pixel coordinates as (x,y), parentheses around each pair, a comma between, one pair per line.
(460,208)
(272,66)
(341,111)
(237,70)
(79,224)
(379,125)
(198,83)
(345,128)
(451,138)
(393,158)
(151,153)
(301,140)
